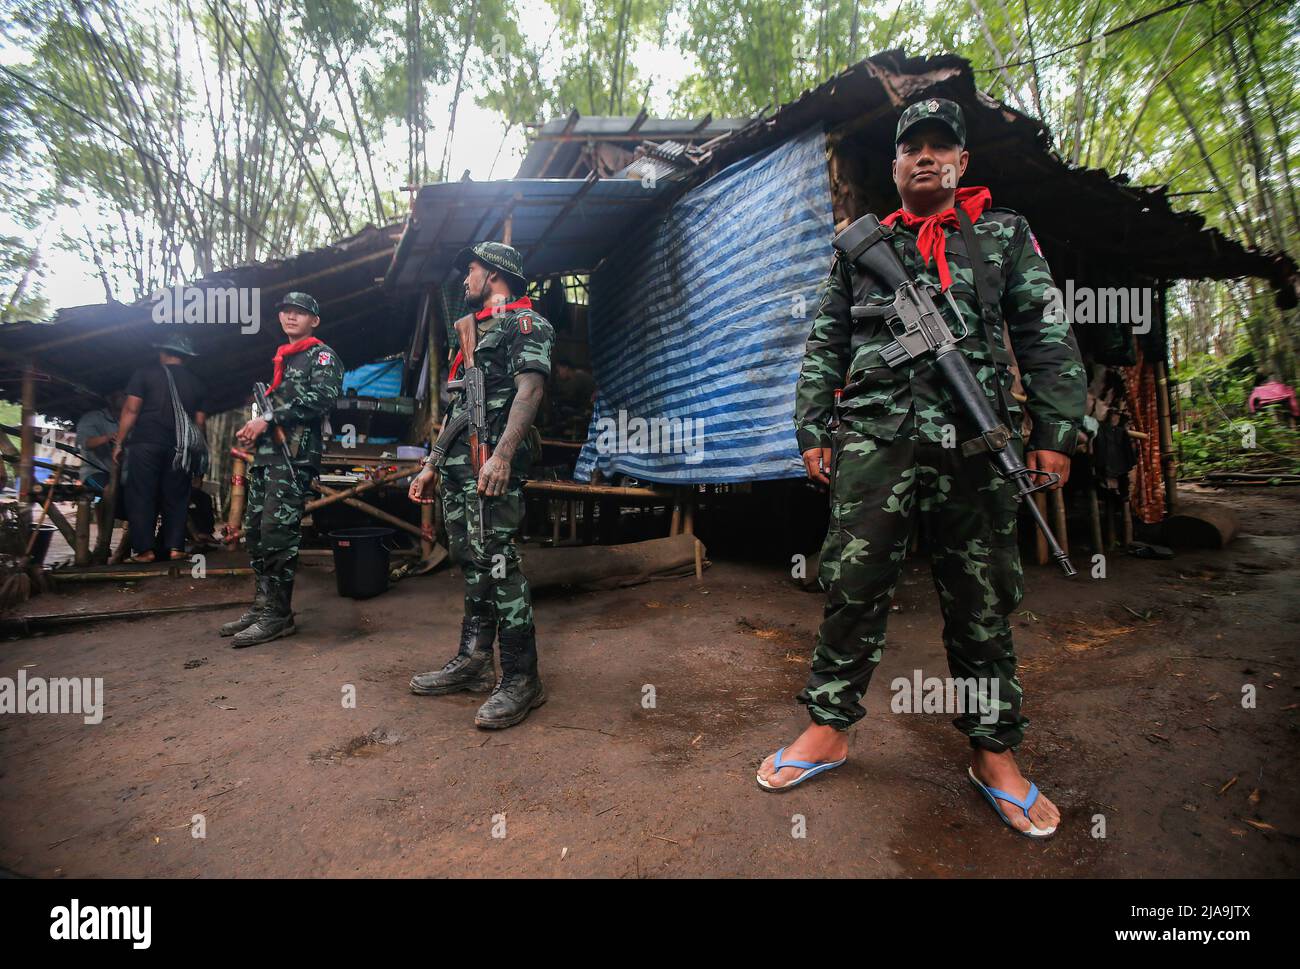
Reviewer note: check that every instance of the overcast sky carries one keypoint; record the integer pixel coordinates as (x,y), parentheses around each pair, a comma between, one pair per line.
(70,280)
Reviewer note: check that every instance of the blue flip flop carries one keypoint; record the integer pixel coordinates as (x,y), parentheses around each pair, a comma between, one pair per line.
(993,794)
(809,770)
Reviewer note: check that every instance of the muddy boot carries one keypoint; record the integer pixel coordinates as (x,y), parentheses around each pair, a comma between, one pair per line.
(260,598)
(520,689)
(274,622)
(471,667)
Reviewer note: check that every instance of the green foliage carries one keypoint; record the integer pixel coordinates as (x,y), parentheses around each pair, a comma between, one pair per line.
(1221,434)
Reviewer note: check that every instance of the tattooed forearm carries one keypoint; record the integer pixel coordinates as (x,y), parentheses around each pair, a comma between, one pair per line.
(528,398)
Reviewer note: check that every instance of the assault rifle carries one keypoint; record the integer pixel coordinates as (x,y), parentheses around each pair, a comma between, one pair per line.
(472,418)
(920,332)
(262,405)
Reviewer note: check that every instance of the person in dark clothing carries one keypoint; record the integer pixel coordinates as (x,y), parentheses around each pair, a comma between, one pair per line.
(147,431)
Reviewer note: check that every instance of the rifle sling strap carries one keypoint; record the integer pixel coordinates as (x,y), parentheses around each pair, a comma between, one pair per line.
(988,286)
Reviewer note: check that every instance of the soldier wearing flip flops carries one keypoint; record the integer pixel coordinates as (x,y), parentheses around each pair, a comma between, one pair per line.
(511,343)
(891,457)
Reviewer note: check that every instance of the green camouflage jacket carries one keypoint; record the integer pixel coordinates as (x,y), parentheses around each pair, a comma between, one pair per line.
(508,344)
(841,351)
(313,380)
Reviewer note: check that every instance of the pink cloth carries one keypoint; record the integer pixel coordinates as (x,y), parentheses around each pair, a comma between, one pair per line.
(1271,393)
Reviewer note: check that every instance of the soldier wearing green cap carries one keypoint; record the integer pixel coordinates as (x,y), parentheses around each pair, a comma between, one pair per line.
(893,455)
(307,379)
(511,343)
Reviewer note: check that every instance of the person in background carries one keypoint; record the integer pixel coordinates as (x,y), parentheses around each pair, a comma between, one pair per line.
(96,432)
(147,435)
(572,397)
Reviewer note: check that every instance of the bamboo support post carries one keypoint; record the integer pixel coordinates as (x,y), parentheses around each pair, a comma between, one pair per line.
(108,516)
(1168,461)
(1094,521)
(81,547)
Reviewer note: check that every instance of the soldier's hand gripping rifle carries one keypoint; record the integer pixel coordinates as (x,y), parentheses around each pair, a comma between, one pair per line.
(472,418)
(920,331)
(262,405)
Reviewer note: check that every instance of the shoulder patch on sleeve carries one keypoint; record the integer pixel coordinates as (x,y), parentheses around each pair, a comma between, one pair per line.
(525,322)
(324,356)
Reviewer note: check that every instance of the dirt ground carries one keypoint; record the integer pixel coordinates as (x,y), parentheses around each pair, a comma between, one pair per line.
(1133,684)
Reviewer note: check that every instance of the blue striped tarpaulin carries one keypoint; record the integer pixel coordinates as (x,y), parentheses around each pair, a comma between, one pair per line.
(697,326)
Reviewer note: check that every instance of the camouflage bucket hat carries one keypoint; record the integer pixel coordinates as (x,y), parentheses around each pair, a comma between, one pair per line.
(947,113)
(178,343)
(499,256)
(300,300)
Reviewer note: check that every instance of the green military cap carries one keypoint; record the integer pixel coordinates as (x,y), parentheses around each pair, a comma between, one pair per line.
(177,343)
(948,113)
(499,256)
(300,300)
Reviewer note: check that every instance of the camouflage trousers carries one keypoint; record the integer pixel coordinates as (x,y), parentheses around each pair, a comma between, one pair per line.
(494,584)
(878,492)
(273,519)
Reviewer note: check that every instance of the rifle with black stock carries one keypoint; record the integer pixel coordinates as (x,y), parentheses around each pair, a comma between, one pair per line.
(920,332)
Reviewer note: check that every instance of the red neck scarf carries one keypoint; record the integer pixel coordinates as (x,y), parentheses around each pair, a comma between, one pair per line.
(287,351)
(522,303)
(931,240)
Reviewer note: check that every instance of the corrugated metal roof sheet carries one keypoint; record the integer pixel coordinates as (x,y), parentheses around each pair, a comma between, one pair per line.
(558,225)
(87,351)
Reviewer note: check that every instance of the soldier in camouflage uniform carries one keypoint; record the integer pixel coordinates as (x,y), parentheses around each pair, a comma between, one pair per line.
(511,343)
(307,380)
(895,455)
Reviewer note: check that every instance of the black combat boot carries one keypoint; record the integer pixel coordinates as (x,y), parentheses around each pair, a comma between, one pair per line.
(274,622)
(520,689)
(471,667)
(260,598)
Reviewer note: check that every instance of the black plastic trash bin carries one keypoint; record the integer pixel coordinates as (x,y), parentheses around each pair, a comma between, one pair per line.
(361,561)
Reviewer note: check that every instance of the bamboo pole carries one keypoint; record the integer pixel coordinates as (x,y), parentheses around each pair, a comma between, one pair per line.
(596,491)
(104,540)
(45,507)
(333,495)
(1168,460)
(374,512)
(27,446)
(81,547)
(238,496)
(1094,521)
